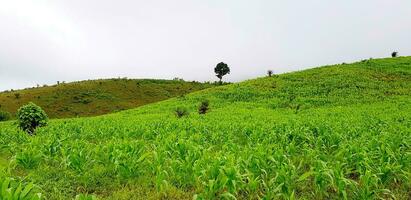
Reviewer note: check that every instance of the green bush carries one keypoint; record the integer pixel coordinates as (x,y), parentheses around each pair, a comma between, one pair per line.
(203,108)
(4,116)
(181,112)
(30,117)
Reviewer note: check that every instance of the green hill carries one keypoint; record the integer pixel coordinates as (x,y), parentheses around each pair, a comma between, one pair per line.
(334,132)
(96,97)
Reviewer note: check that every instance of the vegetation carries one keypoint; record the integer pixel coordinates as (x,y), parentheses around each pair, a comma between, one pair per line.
(394,54)
(97,97)
(270,73)
(4,116)
(10,190)
(203,108)
(30,117)
(350,139)
(221,70)
(181,112)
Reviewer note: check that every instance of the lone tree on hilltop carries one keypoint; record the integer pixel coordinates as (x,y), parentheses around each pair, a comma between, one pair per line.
(221,69)
(270,72)
(394,54)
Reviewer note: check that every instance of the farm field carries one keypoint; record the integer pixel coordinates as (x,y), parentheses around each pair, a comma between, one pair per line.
(97,97)
(333,132)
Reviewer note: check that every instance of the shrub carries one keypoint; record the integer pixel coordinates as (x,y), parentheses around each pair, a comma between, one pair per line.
(203,108)
(4,116)
(17,95)
(181,112)
(30,117)
(394,54)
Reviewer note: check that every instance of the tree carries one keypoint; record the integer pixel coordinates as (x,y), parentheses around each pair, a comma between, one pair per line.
(270,73)
(394,54)
(30,117)
(221,69)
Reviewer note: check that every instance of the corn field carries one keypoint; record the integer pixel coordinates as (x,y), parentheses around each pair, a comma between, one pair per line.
(336,132)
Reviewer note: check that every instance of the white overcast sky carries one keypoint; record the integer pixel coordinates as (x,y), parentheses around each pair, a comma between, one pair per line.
(44,41)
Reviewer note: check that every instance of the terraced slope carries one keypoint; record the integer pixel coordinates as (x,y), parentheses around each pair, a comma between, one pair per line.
(334,132)
(97,97)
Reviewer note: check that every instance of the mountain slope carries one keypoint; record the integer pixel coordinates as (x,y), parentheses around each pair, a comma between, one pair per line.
(96,97)
(333,132)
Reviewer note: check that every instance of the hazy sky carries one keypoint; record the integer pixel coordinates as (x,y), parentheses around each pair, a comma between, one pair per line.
(44,41)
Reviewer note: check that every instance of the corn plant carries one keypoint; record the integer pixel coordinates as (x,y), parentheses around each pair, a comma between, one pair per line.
(10,190)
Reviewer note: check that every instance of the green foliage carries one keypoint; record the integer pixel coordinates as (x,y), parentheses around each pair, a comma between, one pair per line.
(30,117)
(12,191)
(203,108)
(221,70)
(85,197)
(181,112)
(17,95)
(4,116)
(335,132)
(28,159)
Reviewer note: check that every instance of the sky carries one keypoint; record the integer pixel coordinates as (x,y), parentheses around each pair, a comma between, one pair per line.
(45,41)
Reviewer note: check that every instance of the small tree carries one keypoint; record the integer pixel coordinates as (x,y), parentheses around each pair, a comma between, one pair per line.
(203,108)
(394,54)
(221,69)
(30,117)
(17,95)
(270,73)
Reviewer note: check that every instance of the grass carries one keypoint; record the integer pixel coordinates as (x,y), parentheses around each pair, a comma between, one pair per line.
(97,97)
(334,132)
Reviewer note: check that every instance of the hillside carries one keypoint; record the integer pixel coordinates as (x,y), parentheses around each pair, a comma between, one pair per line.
(96,97)
(333,132)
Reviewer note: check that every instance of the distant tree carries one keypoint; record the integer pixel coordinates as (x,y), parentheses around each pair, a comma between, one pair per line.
(203,108)
(270,73)
(221,69)
(394,54)
(178,79)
